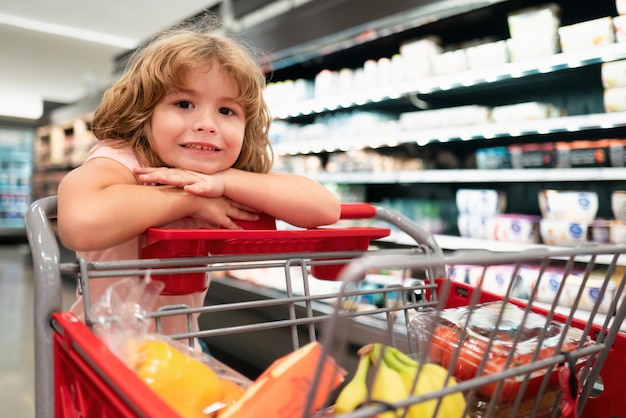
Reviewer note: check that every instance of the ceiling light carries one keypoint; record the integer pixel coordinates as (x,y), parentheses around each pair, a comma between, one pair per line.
(67,31)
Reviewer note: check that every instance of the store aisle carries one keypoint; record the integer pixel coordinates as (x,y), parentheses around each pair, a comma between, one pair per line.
(17,398)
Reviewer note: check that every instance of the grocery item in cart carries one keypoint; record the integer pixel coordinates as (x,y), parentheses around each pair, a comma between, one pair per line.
(283,389)
(186,384)
(386,375)
(185,378)
(492,337)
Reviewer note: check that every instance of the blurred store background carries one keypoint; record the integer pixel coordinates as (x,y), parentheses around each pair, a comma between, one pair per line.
(478,119)
(402,104)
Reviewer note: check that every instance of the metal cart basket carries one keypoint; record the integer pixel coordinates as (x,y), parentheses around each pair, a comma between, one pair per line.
(410,302)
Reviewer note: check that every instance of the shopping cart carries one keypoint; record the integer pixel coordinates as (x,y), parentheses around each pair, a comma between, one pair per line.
(78,376)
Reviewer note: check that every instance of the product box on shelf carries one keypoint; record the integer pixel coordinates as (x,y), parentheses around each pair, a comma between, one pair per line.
(617,153)
(535,21)
(452,116)
(615,99)
(473,225)
(585,153)
(534,32)
(514,227)
(524,111)
(619,25)
(613,73)
(564,232)
(618,204)
(487,55)
(521,49)
(585,291)
(568,205)
(588,34)
(536,155)
(617,232)
(496,278)
(450,62)
(486,202)
(600,231)
(493,158)
(417,56)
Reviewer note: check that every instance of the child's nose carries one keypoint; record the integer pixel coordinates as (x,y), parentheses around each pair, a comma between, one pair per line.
(204,122)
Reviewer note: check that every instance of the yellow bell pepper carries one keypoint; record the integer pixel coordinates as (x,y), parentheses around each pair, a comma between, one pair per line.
(186,384)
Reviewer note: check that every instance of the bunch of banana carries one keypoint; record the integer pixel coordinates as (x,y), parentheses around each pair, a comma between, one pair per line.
(395,379)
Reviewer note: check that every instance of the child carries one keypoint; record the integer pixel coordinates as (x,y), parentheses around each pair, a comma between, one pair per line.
(183,137)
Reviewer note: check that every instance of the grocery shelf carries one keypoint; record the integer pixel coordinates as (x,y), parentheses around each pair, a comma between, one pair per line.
(478,131)
(520,69)
(527,175)
(433,84)
(385,19)
(457,243)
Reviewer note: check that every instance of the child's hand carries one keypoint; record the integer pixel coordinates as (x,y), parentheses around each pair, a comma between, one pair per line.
(223,212)
(191,181)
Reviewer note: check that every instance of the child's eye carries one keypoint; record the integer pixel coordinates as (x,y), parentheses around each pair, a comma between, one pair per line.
(184,104)
(226,111)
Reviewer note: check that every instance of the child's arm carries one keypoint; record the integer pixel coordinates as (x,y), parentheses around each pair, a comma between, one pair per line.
(294,199)
(101,204)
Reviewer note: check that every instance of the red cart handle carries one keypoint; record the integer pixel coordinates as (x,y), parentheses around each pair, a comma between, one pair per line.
(357,211)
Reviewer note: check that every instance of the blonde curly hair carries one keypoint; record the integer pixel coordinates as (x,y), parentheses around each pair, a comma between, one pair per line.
(160,66)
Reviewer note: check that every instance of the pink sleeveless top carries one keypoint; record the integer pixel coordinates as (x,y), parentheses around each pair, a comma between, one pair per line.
(129,250)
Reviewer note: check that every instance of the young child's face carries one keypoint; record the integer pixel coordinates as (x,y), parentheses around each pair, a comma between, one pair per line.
(202,127)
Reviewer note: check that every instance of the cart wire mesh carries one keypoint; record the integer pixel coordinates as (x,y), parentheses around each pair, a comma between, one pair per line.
(419,293)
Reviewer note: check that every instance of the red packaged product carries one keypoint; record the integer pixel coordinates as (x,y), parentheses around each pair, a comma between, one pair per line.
(471,330)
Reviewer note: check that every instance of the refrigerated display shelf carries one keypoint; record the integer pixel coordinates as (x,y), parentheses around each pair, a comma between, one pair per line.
(509,71)
(480,131)
(449,176)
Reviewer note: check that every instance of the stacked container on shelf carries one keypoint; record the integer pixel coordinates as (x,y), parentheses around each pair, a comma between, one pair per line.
(481,215)
(566,216)
(617,226)
(567,219)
